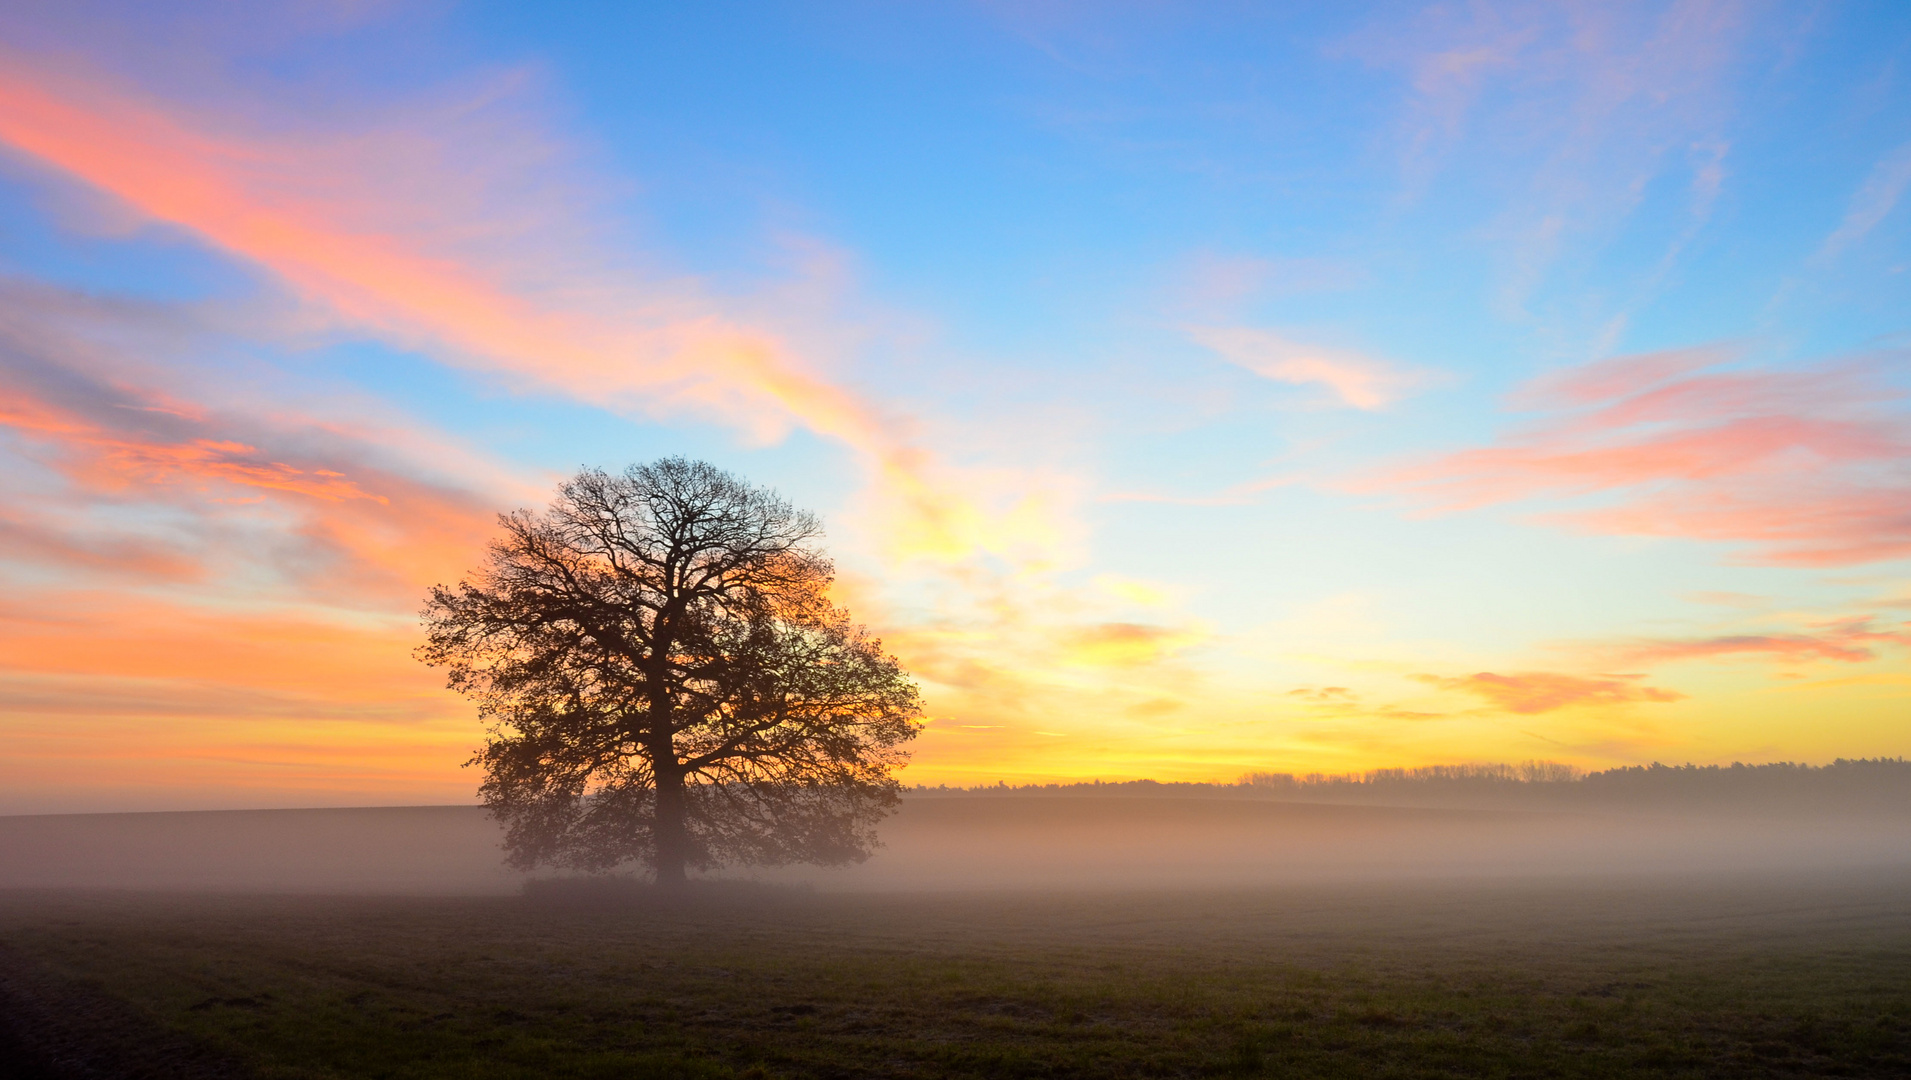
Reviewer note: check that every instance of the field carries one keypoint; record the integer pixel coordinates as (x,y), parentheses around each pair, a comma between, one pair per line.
(1715,975)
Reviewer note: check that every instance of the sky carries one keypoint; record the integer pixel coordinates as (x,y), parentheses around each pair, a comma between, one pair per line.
(1187,389)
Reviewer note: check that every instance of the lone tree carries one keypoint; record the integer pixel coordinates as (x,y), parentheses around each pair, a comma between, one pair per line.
(667,682)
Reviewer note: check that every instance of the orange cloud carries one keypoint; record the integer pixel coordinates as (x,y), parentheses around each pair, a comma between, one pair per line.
(1124,643)
(1324,695)
(1811,467)
(1545,691)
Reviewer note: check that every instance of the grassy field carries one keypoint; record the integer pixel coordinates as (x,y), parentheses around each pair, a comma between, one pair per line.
(1723,977)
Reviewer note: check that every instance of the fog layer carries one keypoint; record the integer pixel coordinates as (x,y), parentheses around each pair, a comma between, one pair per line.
(965,842)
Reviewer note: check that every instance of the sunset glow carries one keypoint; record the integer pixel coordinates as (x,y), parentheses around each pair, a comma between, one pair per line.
(1187,391)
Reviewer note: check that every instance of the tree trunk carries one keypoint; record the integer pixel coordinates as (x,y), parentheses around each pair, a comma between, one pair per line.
(672,838)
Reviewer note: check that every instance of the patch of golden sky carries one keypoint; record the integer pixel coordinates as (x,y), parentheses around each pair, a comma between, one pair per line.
(108,693)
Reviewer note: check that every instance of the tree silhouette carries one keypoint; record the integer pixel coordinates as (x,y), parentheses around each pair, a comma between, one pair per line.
(667,682)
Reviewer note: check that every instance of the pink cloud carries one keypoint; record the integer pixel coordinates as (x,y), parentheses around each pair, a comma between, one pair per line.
(1811,467)
(443,229)
(111,478)
(1848,640)
(1613,378)
(1534,692)
(39,541)
(1358,380)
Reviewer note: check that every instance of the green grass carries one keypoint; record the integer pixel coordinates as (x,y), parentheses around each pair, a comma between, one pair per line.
(1720,979)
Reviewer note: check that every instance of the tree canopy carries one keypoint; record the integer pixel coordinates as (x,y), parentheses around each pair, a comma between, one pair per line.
(667,681)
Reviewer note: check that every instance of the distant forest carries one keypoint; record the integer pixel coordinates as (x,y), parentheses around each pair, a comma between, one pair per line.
(1845,785)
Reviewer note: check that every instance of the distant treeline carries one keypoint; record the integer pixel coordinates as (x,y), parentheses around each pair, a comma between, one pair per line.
(1844,785)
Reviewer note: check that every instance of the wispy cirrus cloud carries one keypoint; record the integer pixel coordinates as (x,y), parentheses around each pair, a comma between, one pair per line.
(1533,692)
(1809,466)
(1870,204)
(1210,285)
(1359,381)
(1573,115)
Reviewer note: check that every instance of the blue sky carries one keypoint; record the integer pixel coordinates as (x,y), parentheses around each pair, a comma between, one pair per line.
(1189,389)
